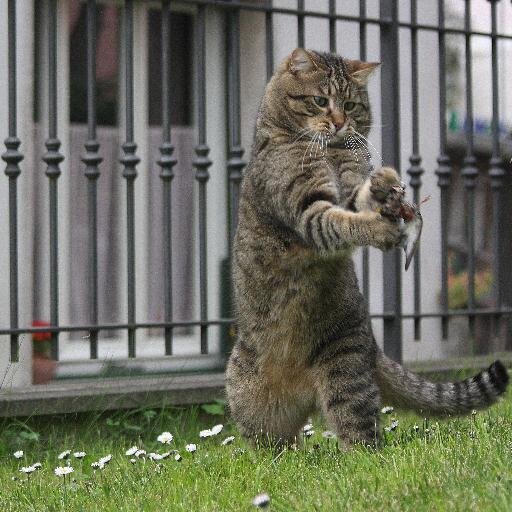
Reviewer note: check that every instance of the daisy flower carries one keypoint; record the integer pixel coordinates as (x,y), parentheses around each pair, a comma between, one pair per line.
(205,433)
(307,427)
(63,470)
(216,429)
(309,433)
(18,454)
(64,455)
(191,448)
(105,460)
(392,426)
(28,469)
(165,438)
(261,500)
(327,434)
(140,453)
(37,465)
(228,440)
(133,461)
(79,455)
(177,457)
(132,451)
(158,456)
(387,410)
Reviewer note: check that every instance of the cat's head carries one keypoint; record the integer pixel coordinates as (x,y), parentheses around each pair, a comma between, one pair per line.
(320,92)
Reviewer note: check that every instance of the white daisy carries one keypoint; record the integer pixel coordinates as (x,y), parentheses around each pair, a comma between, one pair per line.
(261,501)
(228,440)
(165,438)
(205,433)
(387,410)
(307,427)
(158,456)
(27,469)
(140,453)
(392,426)
(309,433)
(96,465)
(177,457)
(131,451)
(105,460)
(37,465)
(18,454)
(133,461)
(64,455)
(79,455)
(216,429)
(191,448)
(63,470)
(327,434)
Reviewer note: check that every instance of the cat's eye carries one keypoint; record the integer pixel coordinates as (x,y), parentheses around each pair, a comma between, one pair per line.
(320,101)
(348,106)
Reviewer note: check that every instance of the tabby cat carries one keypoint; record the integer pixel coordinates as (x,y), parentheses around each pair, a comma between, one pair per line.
(304,334)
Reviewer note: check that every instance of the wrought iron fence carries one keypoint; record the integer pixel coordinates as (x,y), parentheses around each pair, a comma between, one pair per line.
(389,25)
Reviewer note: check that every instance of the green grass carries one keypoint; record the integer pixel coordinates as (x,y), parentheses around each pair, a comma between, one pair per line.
(462,464)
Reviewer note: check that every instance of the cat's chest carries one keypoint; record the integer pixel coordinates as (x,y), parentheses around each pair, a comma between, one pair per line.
(347,175)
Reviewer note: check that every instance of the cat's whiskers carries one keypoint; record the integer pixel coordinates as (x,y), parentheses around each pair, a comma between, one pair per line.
(360,147)
(306,150)
(352,148)
(360,135)
(302,133)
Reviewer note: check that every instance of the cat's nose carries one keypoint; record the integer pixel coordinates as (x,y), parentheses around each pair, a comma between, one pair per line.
(338,125)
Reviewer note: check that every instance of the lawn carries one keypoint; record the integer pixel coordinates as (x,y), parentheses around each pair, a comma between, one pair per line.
(459,464)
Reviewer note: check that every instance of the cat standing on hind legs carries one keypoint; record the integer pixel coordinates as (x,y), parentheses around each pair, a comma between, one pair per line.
(307,200)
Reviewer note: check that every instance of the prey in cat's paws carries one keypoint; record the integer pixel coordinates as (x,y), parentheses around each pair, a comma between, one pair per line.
(388,191)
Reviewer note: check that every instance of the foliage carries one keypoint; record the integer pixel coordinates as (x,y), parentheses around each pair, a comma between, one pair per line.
(456,464)
(458,294)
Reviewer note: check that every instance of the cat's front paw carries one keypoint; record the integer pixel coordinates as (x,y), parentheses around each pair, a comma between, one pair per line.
(388,190)
(383,233)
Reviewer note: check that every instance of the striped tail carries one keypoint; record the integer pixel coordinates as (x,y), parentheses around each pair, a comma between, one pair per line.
(402,387)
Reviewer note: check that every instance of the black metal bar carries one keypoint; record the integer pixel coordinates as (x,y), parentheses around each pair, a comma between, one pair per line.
(235,164)
(129,160)
(53,158)
(92,159)
(415,170)
(264,7)
(469,170)
(391,155)
(504,311)
(380,21)
(12,157)
(269,41)
(167,161)
(300,24)
(496,173)
(332,26)
(201,163)
(443,171)
(363,57)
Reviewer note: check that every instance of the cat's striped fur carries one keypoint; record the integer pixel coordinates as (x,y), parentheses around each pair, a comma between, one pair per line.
(304,335)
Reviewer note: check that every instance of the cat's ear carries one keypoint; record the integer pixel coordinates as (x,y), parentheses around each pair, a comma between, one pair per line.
(302,61)
(360,71)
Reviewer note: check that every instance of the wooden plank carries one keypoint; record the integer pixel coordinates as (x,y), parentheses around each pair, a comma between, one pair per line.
(115,393)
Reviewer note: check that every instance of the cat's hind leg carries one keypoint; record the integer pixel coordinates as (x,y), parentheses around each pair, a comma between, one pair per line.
(345,374)
(266,414)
